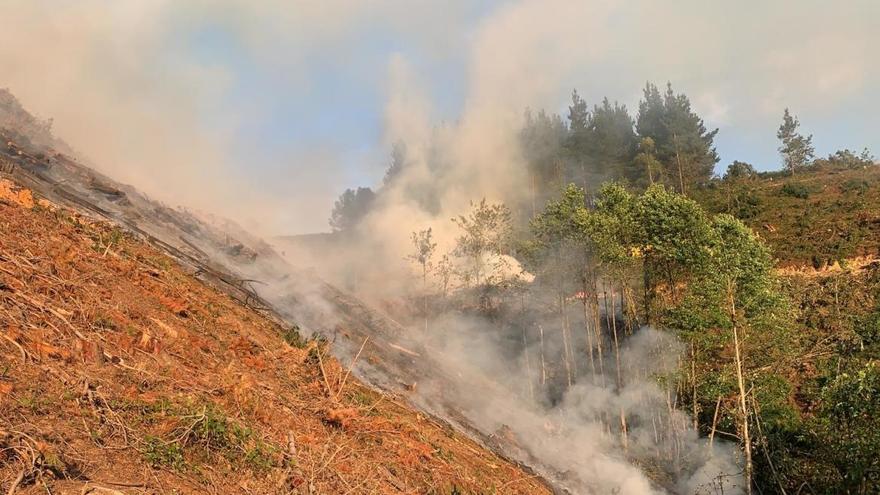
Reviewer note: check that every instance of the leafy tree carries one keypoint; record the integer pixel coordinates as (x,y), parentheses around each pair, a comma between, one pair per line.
(850,428)
(646,159)
(424,246)
(739,190)
(351,207)
(485,235)
(675,242)
(615,231)
(846,159)
(797,149)
(561,250)
(740,170)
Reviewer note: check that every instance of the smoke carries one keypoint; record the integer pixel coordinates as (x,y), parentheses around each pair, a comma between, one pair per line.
(144,111)
(139,88)
(575,439)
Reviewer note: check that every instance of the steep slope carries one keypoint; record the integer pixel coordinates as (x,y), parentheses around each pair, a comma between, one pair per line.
(120,370)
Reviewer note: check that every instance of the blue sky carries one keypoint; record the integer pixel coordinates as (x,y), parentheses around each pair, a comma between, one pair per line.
(287,103)
(343,103)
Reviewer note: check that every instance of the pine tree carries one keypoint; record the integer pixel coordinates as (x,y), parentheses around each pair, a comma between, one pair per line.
(578,115)
(612,142)
(684,146)
(542,141)
(796,149)
(351,207)
(397,165)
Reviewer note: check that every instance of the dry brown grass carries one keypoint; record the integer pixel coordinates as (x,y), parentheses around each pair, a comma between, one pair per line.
(119,370)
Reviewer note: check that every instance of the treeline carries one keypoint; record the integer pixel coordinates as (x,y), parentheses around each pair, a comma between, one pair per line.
(665,142)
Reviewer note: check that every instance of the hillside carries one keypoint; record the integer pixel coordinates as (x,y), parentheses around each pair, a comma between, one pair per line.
(121,373)
(815,218)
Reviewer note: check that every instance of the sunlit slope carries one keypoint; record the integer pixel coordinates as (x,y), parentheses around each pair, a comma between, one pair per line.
(119,370)
(813,218)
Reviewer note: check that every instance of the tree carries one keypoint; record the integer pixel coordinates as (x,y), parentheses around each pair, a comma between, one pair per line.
(850,428)
(398,163)
(846,159)
(578,114)
(560,251)
(796,149)
(351,207)
(615,233)
(739,170)
(612,142)
(424,246)
(485,234)
(646,159)
(577,145)
(541,141)
(684,146)
(741,266)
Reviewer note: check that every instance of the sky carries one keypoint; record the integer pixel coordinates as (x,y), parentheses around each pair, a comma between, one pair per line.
(283,104)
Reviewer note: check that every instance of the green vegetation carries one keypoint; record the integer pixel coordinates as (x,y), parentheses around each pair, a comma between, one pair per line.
(799,191)
(201,433)
(625,212)
(797,150)
(293,337)
(788,366)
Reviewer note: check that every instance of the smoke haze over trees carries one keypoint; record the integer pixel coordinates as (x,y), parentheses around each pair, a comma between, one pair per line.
(574,261)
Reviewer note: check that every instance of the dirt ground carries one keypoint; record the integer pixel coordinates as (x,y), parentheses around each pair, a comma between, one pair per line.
(120,373)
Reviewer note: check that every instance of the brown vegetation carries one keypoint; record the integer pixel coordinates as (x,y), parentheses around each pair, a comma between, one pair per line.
(120,373)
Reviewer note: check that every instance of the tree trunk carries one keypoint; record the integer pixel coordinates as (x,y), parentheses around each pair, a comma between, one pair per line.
(623,432)
(528,364)
(425,293)
(678,160)
(597,326)
(565,344)
(543,361)
(587,329)
(740,380)
(714,423)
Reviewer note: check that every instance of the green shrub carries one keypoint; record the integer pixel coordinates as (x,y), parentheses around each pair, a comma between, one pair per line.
(858,186)
(159,453)
(294,338)
(799,191)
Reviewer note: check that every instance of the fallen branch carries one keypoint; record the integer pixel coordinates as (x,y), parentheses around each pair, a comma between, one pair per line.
(345,378)
(324,374)
(403,350)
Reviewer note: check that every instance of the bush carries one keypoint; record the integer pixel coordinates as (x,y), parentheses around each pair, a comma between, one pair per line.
(799,191)
(294,338)
(845,160)
(858,186)
(740,170)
